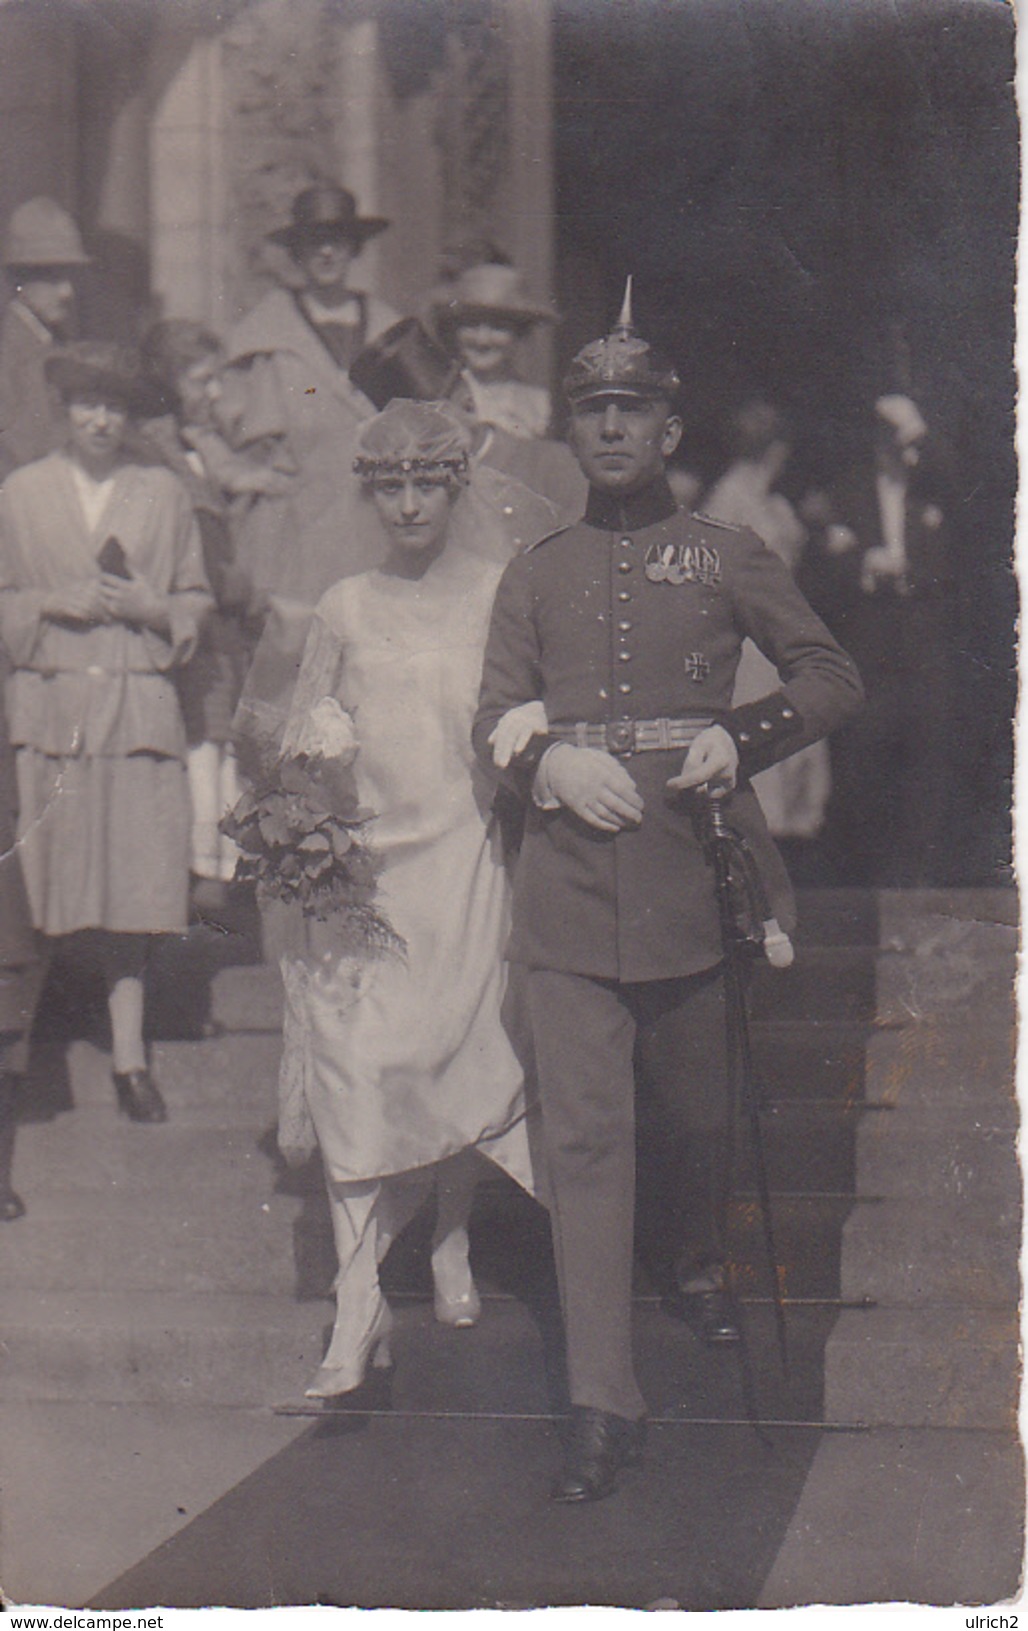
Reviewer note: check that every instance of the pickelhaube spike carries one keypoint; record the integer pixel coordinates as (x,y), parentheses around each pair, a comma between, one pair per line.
(624,324)
(621,364)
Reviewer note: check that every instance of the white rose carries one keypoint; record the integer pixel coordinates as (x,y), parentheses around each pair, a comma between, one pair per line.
(330,732)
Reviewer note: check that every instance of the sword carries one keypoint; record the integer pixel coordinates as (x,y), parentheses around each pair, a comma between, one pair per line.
(727,848)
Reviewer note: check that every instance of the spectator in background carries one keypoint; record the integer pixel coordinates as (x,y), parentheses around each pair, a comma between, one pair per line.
(102,595)
(792,793)
(878,570)
(183,360)
(289,402)
(485,314)
(42,254)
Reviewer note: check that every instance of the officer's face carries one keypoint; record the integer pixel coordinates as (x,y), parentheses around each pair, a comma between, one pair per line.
(415,511)
(621,442)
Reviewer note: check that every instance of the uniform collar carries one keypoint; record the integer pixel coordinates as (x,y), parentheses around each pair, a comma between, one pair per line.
(614,512)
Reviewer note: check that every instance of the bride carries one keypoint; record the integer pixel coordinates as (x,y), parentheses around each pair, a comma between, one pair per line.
(399,1064)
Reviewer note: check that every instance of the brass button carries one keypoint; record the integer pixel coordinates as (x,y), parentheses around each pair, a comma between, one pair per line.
(626,543)
(624,566)
(788,713)
(624,688)
(603,693)
(624,626)
(624,656)
(765,724)
(624,594)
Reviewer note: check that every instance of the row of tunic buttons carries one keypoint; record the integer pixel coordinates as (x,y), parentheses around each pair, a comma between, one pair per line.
(624,626)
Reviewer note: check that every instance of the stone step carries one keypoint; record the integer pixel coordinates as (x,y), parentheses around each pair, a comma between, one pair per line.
(955,1152)
(941,1061)
(146,1346)
(236,1074)
(865,917)
(837,983)
(914,1252)
(247,999)
(63,1164)
(260,1351)
(938,1366)
(245,1245)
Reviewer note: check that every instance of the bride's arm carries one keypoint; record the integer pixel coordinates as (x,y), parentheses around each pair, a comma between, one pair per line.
(319,676)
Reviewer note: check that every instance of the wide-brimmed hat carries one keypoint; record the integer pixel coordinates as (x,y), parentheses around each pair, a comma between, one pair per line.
(102,367)
(326,211)
(405,362)
(40,232)
(491,293)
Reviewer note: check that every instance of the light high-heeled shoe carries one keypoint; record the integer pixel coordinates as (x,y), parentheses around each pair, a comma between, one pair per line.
(456,1301)
(373,1350)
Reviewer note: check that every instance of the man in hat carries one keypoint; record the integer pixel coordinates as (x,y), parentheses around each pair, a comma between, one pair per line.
(288,399)
(42,253)
(482,318)
(628,627)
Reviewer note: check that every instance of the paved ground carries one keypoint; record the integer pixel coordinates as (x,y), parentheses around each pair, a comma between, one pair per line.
(169,1289)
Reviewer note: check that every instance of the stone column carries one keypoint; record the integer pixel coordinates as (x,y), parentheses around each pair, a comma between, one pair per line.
(38,108)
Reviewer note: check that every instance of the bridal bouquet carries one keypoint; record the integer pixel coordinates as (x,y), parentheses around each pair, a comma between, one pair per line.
(302,833)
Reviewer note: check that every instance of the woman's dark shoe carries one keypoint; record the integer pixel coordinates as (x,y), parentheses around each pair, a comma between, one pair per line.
(597,1446)
(138,1097)
(11,1205)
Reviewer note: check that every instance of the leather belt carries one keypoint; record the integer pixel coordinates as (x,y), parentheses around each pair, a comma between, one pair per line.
(624,736)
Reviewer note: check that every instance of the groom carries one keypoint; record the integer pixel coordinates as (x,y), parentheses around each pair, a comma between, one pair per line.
(628,626)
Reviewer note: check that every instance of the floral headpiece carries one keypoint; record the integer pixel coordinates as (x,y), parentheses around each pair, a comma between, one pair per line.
(415,438)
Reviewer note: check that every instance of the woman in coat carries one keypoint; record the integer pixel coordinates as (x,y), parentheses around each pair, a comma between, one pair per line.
(102,596)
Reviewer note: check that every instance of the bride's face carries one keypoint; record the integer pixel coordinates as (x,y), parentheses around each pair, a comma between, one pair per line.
(415,511)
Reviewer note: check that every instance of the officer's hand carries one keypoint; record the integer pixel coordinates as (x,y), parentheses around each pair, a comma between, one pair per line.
(593,785)
(512,734)
(713,759)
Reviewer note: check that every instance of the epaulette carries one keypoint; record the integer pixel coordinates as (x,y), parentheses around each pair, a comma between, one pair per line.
(547,536)
(712,521)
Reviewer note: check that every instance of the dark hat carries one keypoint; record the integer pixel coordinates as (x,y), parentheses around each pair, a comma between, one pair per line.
(102,367)
(490,293)
(326,211)
(621,365)
(404,362)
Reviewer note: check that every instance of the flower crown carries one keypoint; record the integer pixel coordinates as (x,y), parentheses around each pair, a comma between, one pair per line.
(411,438)
(449,468)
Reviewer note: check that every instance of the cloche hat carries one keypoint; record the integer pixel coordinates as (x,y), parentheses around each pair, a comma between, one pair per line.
(326,211)
(40,232)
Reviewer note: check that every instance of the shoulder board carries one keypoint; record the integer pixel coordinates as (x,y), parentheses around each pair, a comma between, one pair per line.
(712,521)
(547,536)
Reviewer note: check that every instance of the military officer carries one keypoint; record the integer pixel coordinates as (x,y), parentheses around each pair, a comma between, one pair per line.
(627,626)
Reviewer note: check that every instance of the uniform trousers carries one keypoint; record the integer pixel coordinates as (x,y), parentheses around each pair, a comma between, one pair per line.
(591,1035)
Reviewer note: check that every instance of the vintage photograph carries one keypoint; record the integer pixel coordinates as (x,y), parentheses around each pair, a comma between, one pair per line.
(507,913)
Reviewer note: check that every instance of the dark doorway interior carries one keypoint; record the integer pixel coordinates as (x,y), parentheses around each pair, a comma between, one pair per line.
(819,204)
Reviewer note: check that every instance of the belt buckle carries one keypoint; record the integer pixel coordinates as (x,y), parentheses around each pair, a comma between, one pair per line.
(621,736)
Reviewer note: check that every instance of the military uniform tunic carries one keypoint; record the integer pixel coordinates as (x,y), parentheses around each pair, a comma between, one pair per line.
(638,612)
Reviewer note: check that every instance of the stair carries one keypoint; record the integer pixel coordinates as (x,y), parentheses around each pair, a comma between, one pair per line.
(160,1264)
